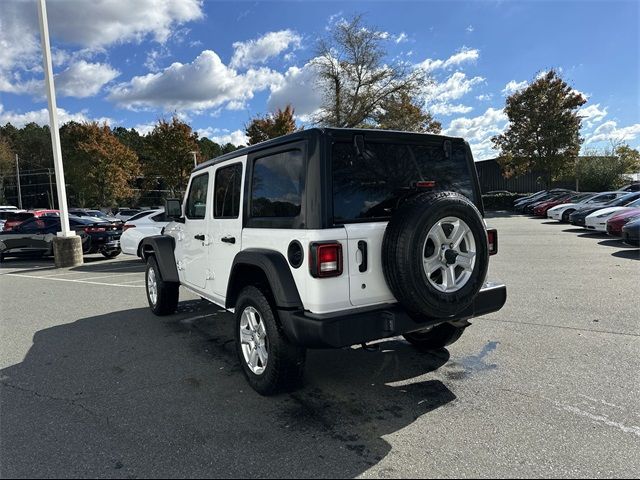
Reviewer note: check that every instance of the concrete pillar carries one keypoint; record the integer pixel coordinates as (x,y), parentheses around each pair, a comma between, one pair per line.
(67,251)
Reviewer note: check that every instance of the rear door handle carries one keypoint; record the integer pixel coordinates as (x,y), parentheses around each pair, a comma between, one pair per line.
(199,237)
(228,239)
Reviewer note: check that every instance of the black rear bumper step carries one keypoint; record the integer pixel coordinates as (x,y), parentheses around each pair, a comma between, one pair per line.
(367,324)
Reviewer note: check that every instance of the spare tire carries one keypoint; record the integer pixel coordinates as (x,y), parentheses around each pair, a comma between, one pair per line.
(435,254)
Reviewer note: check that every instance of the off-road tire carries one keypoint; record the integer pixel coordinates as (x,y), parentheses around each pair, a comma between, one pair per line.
(436,338)
(167,292)
(403,253)
(285,364)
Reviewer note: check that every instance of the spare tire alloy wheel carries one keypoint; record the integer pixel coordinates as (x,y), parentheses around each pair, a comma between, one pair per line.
(449,254)
(435,254)
(255,343)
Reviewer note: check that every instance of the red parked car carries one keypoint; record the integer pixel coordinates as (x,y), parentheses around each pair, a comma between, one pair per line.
(541,210)
(18,218)
(615,223)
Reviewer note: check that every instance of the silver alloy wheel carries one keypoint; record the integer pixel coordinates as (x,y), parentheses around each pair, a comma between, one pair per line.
(152,286)
(253,338)
(449,254)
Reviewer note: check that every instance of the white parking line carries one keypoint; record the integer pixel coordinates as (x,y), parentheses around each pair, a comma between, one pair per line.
(95,271)
(74,281)
(104,276)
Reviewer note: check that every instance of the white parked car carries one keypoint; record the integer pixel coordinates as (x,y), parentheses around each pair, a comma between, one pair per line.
(598,219)
(561,212)
(144,224)
(125,214)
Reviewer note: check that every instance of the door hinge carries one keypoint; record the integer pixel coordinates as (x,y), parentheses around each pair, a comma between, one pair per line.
(179,265)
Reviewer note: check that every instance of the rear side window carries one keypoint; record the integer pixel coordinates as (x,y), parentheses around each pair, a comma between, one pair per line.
(368,187)
(160,217)
(227,192)
(138,216)
(276,189)
(197,199)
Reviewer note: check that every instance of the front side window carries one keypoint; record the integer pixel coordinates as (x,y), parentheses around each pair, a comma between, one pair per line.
(277,185)
(227,192)
(197,199)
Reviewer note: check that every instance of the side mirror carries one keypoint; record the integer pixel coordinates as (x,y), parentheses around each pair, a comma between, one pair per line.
(173,209)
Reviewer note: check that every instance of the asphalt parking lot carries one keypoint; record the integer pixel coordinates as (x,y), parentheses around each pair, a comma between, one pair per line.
(93,385)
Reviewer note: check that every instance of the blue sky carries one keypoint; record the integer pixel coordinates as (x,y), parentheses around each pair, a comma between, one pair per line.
(216,64)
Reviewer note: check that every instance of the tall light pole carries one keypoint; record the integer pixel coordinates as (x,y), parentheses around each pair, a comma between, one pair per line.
(68,247)
(18,180)
(195,162)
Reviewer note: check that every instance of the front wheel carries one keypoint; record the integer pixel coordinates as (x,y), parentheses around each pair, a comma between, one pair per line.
(434,338)
(565,215)
(162,296)
(270,363)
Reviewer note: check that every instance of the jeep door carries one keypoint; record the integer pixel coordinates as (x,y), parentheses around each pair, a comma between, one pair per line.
(225,230)
(197,210)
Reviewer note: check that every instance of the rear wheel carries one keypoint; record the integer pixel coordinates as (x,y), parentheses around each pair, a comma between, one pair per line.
(111,253)
(162,296)
(435,338)
(270,363)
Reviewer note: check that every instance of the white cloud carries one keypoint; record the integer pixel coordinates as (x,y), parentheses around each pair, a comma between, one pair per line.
(237,137)
(87,24)
(449,109)
(513,86)
(479,130)
(403,37)
(81,79)
(297,88)
(485,97)
(41,117)
(592,114)
(464,55)
(470,29)
(609,131)
(259,51)
(453,88)
(145,128)
(205,83)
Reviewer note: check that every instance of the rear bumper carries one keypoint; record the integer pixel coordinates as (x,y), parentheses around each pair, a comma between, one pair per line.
(364,325)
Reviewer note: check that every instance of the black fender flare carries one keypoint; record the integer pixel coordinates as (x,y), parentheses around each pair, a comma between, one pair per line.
(163,248)
(276,271)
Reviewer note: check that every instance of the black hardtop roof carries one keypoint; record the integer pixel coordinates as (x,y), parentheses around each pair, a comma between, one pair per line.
(318,131)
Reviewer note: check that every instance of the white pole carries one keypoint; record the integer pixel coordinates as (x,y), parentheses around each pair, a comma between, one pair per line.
(53,121)
(18,179)
(195,163)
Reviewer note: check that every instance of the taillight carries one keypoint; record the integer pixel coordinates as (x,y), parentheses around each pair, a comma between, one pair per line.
(127,226)
(325,259)
(492,237)
(426,184)
(95,229)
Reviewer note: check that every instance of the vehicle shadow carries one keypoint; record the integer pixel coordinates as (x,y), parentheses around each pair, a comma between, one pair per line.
(500,214)
(127,394)
(575,230)
(632,254)
(617,243)
(94,264)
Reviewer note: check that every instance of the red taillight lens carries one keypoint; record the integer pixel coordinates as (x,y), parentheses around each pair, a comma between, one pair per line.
(127,226)
(326,259)
(95,229)
(492,237)
(426,184)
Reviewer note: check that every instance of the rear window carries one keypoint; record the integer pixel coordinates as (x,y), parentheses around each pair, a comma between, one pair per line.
(20,216)
(140,215)
(368,187)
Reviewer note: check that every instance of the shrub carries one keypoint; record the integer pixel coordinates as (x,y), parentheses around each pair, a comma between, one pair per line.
(501,201)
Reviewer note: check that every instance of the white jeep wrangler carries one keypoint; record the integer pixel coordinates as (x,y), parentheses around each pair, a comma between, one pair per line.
(330,238)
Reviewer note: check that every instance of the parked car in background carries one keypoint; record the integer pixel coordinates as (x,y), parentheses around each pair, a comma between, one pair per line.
(34,236)
(5,214)
(619,220)
(578,218)
(598,220)
(529,209)
(542,208)
(89,212)
(562,211)
(7,207)
(140,226)
(125,214)
(19,217)
(632,187)
(631,233)
(521,206)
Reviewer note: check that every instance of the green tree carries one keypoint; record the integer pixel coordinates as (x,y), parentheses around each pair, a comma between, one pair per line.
(7,164)
(355,75)
(168,153)
(101,169)
(208,148)
(401,112)
(272,125)
(543,134)
(600,171)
